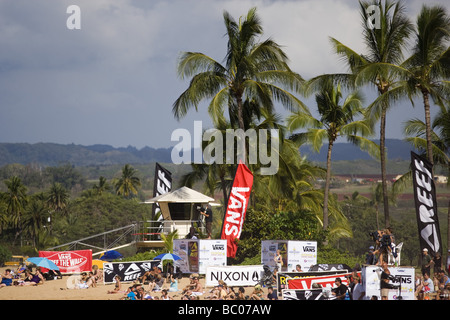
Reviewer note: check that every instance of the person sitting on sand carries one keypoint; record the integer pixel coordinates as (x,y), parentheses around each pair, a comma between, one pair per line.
(197,288)
(28,279)
(173,284)
(98,274)
(157,284)
(91,280)
(38,278)
(257,293)
(118,286)
(6,279)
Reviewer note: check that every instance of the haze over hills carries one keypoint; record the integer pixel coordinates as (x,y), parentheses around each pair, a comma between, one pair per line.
(51,154)
(396,150)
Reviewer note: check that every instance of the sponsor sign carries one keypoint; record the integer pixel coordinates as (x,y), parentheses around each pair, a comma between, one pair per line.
(197,254)
(324,281)
(236,208)
(234,275)
(284,277)
(69,261)
(426,204)
(128,271)
(403,276)
(314,294)
(293,253)
(162,184)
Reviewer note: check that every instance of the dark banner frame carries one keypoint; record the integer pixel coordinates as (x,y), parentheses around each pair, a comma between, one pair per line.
(162,176)
(426,205)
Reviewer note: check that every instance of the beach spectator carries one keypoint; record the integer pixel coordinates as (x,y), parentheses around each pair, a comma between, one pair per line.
(145,278)
(6,279)
(118,285)
(371,258)
(173,284)
(98,274)
(198,288)
(139,290)
(91,280)
(427,284)
(384,281)
(357,292)
(165,295)
(157,284)
(298,268)
(131,293)
(443,279)
(38,278)
(195,288)
(257,293)
(241,294)
(271,294)
(340,290)
(278,260)
(222,292)
(426,261)
(208,219)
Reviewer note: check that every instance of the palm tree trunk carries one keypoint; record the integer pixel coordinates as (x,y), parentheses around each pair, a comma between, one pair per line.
(383,167)
(426,103)
(224,193)
(327,187)
(448,234)
(241,126)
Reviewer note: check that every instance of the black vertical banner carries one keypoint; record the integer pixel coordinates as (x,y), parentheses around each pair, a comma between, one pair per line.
(162,184)
(426,205)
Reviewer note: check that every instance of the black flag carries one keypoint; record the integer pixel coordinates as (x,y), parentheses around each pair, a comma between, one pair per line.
(426,205)
(163,184)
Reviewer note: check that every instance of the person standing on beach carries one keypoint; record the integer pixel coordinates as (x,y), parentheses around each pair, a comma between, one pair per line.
(426,261)
(208,219)
(278,260)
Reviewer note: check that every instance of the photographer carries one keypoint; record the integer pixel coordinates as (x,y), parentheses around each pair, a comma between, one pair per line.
(386,240)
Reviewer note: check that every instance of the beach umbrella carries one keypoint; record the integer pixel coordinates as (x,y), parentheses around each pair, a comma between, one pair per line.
(111,255)
(43,263)
(167,256)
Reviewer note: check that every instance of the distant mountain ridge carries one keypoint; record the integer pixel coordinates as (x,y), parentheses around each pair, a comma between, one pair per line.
(51,154)
(396,150)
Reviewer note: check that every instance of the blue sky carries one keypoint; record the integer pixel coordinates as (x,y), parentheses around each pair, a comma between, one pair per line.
(114,80)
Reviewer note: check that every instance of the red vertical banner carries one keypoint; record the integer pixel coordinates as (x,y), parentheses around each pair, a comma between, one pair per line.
(236,208)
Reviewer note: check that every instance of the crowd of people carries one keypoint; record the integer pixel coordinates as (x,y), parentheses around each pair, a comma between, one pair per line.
(432,282)
(153,285)
(24,276)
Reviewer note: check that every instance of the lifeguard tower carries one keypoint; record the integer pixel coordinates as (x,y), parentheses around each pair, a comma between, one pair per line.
(179,211)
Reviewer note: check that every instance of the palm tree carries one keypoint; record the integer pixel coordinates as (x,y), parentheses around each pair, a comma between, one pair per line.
(35,218)
(128,183)
(385,46)
(57,197)
(429,65)
(337,118)
(15,199)
(101,186)
(254,71)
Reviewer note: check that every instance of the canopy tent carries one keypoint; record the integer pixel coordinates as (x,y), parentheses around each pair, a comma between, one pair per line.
(184,195)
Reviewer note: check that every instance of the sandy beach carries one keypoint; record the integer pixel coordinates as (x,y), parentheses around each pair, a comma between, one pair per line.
(58,290)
